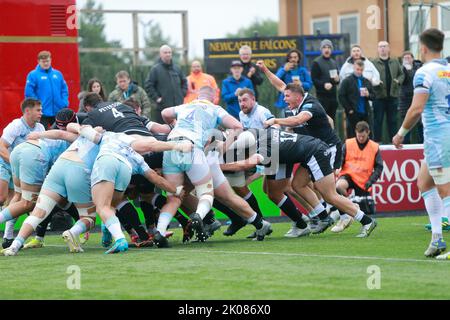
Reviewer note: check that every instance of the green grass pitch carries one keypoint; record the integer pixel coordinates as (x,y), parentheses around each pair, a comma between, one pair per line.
(326,266)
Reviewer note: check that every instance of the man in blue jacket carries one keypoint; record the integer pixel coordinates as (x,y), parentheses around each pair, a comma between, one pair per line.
(47,85)
(231,87)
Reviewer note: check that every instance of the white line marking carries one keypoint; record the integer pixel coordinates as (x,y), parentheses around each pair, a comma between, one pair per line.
(325,256)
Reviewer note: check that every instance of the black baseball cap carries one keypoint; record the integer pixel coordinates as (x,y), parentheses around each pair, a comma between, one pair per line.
(236,63)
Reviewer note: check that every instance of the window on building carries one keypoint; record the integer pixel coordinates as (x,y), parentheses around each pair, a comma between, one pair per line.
(419,20)
(321,25)
(444,25)
(350,24)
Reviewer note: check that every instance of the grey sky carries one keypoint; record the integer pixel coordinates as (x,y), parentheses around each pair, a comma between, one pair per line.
(208,19)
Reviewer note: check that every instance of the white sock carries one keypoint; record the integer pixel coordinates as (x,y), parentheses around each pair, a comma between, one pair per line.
(346,216)
(9,229)
(203,207)
(435,208)
(120,205)
(114,227)
(359,215)
(78,228)
(252,218)
(317,210)
(17,243)
(5,215)
(163,222)
(248,196)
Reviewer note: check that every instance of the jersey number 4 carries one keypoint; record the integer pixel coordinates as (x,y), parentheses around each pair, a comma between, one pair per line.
(191,116)
(117,114)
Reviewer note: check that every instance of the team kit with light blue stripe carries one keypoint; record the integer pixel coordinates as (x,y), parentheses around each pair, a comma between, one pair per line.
(14,134)
(434,79)
(71,179)
(195,122)
(30,163)
(116,161)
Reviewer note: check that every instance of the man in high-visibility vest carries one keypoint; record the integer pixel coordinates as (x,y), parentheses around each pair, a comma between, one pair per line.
(362,166)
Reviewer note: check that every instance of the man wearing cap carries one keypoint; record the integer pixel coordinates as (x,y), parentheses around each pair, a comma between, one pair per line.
(231,87)
(325,76)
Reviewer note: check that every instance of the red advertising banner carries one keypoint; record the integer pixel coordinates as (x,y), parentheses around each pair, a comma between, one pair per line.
(396,190)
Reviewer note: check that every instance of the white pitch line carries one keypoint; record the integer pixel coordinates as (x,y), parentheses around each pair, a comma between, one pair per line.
(325,256)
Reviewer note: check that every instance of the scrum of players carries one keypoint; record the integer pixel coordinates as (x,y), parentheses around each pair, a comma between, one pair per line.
(95,163)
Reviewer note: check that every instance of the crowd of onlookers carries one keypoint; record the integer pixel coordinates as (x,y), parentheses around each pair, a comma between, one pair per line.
(367,89)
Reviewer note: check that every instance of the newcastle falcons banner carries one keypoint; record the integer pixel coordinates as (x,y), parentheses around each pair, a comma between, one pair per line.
(220,52)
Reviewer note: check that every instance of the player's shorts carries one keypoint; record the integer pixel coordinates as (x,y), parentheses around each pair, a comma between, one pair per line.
(318,165)
(109,168)
(5,174)
(437,150)
(214,167)
(354,186)
(335,156)
(194,163)
(141,184)
(236,179)
(28,164)
(440,175)
(71,180)
(284,172)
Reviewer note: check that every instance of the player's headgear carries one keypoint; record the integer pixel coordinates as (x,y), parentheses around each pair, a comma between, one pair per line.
(64,117)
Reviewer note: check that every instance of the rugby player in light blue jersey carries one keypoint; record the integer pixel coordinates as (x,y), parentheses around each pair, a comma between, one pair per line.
(14,134)
(30,163)
(115,163)
(195,122)
(431,101)
(67,180)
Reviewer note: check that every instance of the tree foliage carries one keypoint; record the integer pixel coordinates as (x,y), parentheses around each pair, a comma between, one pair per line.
(264,28)
(100,65)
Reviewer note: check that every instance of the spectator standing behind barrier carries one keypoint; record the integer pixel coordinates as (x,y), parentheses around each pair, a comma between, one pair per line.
(231,87)
(126,89)
(48,86)
(292,72)
(165,83)
(325,76)
(387,92)
(250,69)
(354,95)
(361,167)
(410,66)
(94,85)
(198,79)
(370,72)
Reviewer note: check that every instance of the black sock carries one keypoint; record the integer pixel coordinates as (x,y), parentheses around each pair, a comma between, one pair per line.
(132,217)
(289,209)
(234,217)
(323,215)
(341,213)
(124,221)
(258,222)
(73,212)
(41,229)
(254,204)
(209,218)
(181,219)
(149,215)
(366,220)
(159,201)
